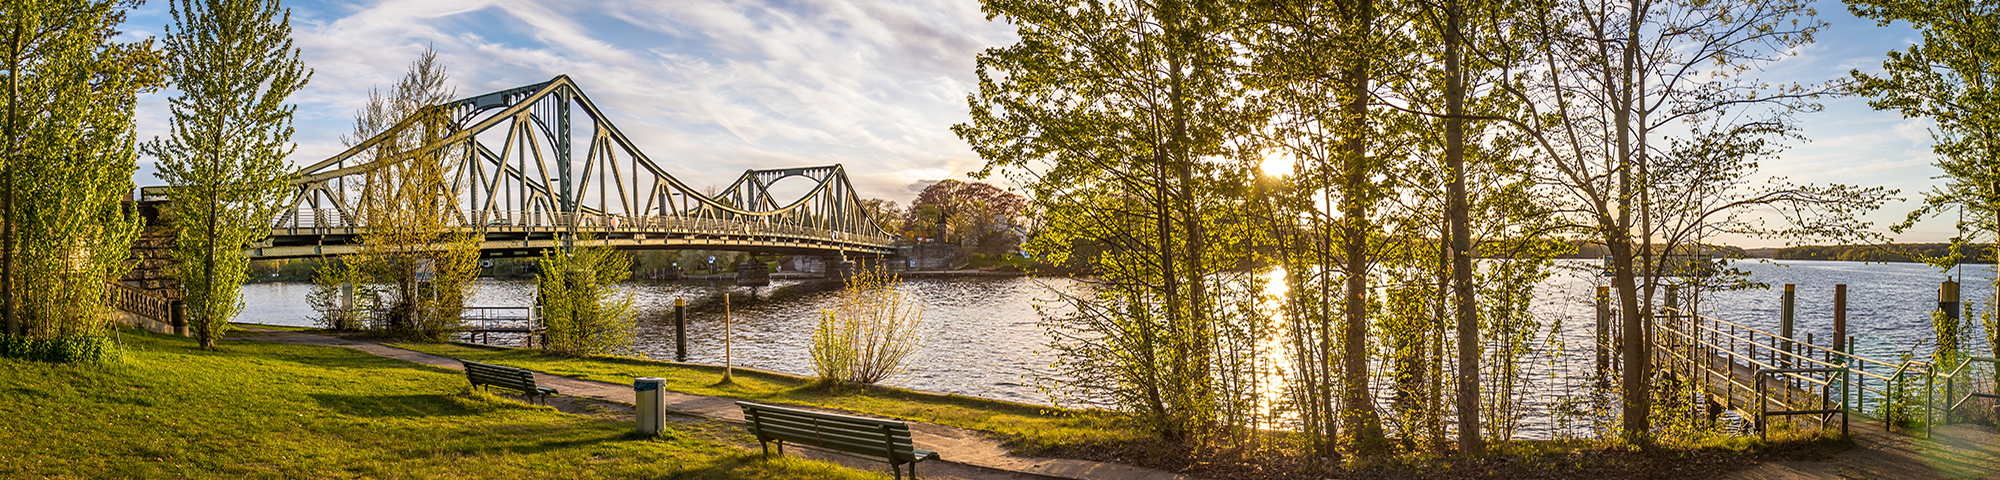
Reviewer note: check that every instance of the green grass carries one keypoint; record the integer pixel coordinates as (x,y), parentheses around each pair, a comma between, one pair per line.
(266,410)
(1032,428)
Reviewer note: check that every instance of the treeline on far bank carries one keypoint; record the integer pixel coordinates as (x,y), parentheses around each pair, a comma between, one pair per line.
(1904,252)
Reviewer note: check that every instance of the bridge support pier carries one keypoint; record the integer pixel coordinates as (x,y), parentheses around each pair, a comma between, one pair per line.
(839,268)
(752,273)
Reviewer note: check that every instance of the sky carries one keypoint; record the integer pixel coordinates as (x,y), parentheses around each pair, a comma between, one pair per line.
(710,88)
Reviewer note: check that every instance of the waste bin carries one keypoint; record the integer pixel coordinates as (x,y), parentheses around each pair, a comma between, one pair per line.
(652,412)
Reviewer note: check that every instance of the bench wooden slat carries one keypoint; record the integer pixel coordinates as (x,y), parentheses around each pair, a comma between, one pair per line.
(901,437)
(870,446)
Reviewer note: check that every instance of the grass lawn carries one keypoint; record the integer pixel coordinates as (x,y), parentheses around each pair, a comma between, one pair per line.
(271,410)
(1032,428)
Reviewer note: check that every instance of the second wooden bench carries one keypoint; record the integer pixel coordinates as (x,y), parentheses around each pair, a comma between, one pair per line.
(506,377)
(841,434)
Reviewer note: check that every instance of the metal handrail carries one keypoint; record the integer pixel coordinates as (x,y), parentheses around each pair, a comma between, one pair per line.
(1764,405)
(1828,351)
(1951,381)
(322,218)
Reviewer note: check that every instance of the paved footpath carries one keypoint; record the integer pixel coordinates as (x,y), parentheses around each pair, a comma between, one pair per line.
(1952,452)
(954,445)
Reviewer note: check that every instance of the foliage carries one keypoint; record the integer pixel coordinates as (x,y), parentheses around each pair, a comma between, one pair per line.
(1618,77)
(1903,401)
(1117,118)
(1950,339)
(952,211)
(871,335)
(411,243)
(884,213)
(91,349)
(70,157)
(582,313)
(1901,252)
(1950,78)
(344,296)
(234,64)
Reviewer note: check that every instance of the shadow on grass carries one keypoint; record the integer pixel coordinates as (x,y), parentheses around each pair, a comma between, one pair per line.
(393,406)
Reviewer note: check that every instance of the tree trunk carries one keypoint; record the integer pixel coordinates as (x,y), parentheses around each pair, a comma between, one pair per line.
(7,303)
(207,330)
(1637,404)
(1457,208)
(1359,408)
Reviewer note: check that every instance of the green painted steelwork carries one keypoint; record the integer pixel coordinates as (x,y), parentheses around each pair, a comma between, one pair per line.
(621,195)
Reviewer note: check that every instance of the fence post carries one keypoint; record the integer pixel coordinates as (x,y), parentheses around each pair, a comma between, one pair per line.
(177,311)
(1860,381)
(1930,389)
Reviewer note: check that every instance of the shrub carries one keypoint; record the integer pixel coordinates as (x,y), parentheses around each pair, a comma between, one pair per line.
(871,335)
(58,349)
(580,312)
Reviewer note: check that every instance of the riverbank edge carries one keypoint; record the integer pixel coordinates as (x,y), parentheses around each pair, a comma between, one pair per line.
(782,377)
(968,446)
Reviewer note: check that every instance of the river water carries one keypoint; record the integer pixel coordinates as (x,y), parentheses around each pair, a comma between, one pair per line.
(987,340)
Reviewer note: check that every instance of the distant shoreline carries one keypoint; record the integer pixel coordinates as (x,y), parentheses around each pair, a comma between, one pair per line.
(1977,254)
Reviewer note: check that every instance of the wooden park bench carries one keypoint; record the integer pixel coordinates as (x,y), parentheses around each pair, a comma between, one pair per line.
(838,434)
(506,377)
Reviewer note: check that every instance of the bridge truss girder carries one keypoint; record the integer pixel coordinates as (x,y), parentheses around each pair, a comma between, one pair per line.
(533,188)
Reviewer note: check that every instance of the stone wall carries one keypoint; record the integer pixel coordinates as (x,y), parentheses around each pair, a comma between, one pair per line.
(152,253)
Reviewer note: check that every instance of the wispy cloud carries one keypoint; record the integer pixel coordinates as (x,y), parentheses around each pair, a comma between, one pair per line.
(707,88)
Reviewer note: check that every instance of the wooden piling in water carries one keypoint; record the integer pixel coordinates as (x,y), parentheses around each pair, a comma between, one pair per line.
(1787,318)
(680,330)
(1948,298)
(1840,317)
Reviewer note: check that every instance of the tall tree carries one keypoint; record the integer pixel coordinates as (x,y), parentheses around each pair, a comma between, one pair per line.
(1614,77)
(1118,117)
(884,213)
(414,242)
(1952,78)
(234,63)
(1318,63)
(71,90)
(955,211)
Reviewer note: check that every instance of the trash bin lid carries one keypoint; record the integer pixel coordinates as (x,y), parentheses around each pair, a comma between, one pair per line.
(647,383)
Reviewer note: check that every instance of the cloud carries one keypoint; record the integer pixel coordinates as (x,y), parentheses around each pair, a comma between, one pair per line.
(706,88)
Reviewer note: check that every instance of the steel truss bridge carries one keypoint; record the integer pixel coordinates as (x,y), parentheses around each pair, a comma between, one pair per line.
(511,176)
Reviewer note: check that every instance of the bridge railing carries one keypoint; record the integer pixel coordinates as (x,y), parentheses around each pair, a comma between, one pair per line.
(139,302)
(541,221)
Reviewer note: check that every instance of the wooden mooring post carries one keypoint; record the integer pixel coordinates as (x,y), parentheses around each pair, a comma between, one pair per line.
(680,330)
(1840,317)
(1948,298)
(1786,321)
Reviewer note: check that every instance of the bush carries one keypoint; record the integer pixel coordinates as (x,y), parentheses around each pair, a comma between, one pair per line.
(871,335)
(580,312)
(58,349)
